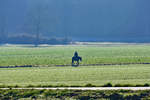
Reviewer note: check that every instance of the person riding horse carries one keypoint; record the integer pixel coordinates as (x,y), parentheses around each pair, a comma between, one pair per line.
(76,59)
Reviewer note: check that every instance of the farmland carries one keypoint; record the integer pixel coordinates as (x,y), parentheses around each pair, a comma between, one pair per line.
(76,76)
(61,55)
(116,64)
(45,58)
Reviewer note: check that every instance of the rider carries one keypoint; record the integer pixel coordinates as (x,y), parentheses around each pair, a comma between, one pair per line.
(76,54)
(76,58)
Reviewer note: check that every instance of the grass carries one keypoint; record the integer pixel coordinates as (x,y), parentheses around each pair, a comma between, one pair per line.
(61,55)
(73,95)
(77,76)
(46,56)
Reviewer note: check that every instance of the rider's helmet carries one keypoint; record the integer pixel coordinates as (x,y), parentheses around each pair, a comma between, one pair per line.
(76,54)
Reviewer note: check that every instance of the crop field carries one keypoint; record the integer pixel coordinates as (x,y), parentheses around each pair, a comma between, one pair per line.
(61,55)
(45,58)
(78,76)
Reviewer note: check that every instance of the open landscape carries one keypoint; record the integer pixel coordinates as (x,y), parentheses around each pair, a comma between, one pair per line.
(99,54)
(74,50)
(76,76)
(51,65)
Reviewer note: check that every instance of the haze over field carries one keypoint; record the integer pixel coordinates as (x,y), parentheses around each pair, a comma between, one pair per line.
(82,20)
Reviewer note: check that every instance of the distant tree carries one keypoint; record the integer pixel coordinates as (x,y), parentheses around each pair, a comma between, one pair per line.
(35,20)
(3,34)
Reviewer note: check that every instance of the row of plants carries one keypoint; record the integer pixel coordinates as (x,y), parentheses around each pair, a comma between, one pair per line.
(74,94)
(87,85)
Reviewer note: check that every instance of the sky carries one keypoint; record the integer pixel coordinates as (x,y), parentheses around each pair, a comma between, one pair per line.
(95,20)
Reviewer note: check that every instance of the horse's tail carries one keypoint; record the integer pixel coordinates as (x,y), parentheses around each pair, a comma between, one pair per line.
(80,58)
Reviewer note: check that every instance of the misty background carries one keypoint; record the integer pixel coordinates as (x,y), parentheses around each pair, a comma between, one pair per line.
(74,20)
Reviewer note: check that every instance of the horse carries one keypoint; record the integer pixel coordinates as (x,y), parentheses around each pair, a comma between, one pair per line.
(76,59)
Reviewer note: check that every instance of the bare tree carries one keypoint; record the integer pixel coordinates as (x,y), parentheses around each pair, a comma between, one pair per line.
(3,35)
(38,26)
(34,21)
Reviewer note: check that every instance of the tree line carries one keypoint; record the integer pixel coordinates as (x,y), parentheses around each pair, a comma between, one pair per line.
(36,24)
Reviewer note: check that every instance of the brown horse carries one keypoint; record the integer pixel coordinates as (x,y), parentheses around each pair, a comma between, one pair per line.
(76,59)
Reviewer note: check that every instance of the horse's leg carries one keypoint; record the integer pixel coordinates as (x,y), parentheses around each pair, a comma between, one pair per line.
(72,62)
(78,63)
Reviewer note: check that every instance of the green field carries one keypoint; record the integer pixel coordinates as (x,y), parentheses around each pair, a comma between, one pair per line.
(61,55)
(96,75)
(46,57)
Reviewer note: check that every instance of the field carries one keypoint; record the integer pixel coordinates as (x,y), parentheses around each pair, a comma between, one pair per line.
(61,55)
(45,58)
(117,64)
(78,76)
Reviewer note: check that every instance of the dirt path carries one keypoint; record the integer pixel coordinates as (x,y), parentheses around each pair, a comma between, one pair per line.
(85,88)
(104,64)
(80,65)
